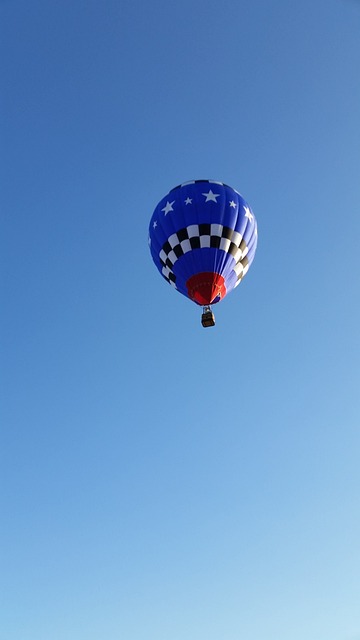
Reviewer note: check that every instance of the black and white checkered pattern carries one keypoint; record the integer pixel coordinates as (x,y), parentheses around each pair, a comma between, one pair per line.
(198,236)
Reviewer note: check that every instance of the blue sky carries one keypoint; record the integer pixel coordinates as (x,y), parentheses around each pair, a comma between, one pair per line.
(160,481)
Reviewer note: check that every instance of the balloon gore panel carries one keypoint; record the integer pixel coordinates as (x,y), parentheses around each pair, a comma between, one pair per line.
(203,238)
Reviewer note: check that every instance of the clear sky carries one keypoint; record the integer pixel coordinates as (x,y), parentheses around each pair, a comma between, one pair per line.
(160,481)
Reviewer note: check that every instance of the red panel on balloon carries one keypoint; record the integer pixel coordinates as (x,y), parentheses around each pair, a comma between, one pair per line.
(206,288)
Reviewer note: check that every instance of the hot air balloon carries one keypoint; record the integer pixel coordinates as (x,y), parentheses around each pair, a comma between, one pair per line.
(202,238)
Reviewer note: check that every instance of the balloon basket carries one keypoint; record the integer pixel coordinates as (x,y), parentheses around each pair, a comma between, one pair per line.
(207,318)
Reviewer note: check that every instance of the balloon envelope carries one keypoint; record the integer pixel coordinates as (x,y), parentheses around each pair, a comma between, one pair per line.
(202,238)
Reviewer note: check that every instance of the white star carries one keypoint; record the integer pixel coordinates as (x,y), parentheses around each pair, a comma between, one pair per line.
(211,197)
(248,214)
(232,204)
(188,201)
(168,207)
(155,224)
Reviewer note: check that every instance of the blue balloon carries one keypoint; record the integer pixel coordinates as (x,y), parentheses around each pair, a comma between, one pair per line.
(202,238)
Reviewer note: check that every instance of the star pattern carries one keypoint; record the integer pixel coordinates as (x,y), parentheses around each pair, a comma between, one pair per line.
(232,204)
(168,207)
(210,196)
(188,201)
(248,214)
